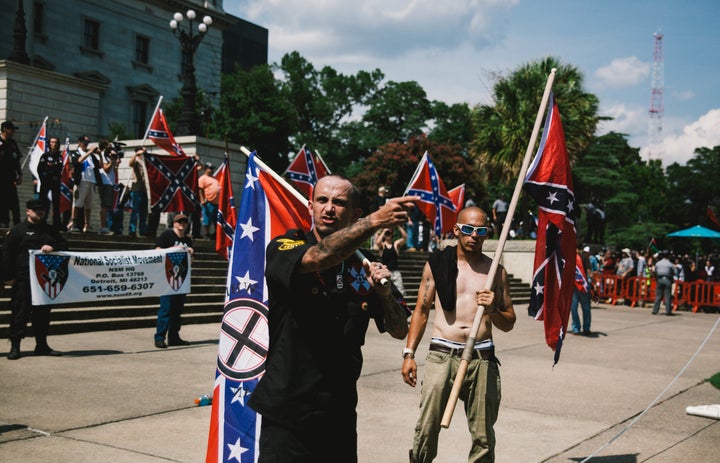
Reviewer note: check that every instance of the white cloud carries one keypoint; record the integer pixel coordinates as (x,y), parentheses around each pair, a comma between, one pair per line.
(321,29)
(623,72)
(626,119)
(684,95)
(702,133)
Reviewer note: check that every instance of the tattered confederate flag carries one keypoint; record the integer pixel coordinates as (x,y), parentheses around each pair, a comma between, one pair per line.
(549,182)
(173,182)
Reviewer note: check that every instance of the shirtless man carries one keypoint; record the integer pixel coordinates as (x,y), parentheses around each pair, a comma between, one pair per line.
(453,280)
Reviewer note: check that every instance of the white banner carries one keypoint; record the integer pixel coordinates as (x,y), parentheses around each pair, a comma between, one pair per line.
(63,277)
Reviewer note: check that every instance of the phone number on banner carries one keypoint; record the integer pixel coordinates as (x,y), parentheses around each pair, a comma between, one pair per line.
(117,288)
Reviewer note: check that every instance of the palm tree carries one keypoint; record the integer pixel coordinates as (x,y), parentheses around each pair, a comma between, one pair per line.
(504,129)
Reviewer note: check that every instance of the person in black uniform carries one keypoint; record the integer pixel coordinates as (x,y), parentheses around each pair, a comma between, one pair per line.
(10,175)
(321,299)
(50,171)
(32,234)
(171,307)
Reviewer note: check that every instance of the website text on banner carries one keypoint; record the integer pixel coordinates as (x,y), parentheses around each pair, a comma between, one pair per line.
(63,277)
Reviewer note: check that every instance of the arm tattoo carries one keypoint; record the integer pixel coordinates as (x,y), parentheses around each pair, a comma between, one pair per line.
(341,244)
(393,314)
(425,290)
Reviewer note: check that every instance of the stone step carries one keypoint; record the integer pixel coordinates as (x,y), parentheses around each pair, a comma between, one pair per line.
(204,303)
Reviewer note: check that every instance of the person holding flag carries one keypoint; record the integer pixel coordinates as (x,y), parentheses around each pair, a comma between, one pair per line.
(49,171)
(321,299)
(452,281)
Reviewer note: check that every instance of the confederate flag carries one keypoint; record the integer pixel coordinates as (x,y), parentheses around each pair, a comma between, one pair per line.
(160,134)
(226,216)
(435,202)
(305,170)
(549,182)
(173,182)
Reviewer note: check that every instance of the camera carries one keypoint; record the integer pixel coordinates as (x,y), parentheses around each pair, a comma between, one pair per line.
(117,147)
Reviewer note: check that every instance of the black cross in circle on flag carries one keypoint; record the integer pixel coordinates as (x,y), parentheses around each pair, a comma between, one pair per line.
(242,339)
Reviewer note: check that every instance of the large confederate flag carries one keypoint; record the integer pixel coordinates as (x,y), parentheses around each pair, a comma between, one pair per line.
(549,182)
(173,182)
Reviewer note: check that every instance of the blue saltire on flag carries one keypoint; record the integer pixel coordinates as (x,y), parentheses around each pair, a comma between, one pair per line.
(549,182)
(305,171)
(173,183)
(267,209)
(435,202)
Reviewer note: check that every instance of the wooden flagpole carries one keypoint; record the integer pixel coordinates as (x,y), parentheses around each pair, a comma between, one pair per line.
(470,344)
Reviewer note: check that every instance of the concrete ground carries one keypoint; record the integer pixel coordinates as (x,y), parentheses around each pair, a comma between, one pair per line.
(114,397)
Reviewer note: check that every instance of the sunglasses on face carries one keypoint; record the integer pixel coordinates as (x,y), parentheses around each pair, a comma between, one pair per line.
(468,230)
(182,221)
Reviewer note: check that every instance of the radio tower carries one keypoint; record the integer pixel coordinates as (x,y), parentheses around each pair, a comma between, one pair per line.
(655,135)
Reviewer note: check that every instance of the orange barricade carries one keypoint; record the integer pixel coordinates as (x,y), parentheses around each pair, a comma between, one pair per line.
(700,294)
(609,287)
(639,290)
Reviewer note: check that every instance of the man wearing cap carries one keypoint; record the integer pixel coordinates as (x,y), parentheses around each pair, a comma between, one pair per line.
(87,164)
(665,273)
(171,307)
(32,234)
(10,175)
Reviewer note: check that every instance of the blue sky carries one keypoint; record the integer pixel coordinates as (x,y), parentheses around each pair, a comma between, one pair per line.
(453,48)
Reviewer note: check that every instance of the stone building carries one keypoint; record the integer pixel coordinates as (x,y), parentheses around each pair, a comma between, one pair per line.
(94,66)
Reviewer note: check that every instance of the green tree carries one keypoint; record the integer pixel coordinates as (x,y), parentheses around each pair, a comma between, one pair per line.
(611,175)
(394,164)
(452,124)
(323,101)
(694,187)
(255,112)
(503,129)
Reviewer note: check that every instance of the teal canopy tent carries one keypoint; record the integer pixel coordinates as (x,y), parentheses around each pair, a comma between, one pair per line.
(695,232)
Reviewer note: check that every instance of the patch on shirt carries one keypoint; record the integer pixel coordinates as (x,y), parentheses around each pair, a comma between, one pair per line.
(358,279)
(287,244)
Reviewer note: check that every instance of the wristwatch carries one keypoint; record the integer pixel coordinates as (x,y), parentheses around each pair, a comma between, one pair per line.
(407,351)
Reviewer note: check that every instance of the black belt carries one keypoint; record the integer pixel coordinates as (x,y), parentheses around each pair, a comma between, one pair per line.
(485,354)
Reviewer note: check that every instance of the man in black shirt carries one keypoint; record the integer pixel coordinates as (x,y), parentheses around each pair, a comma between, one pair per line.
(10,175)
(171,307)
(30,235)
(49,171)
(321,298)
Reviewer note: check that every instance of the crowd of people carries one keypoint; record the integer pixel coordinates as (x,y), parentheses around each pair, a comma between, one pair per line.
(94,172)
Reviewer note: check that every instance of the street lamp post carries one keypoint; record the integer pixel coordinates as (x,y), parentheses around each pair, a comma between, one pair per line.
(189,122)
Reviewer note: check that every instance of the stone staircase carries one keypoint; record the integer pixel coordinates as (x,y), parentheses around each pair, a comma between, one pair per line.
(204,304)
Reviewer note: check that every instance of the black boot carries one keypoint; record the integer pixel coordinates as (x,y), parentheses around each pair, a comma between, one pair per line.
(42,348)
(14,350)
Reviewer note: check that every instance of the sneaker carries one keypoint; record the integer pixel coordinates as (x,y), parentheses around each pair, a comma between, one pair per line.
(104,231)
(160,344)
